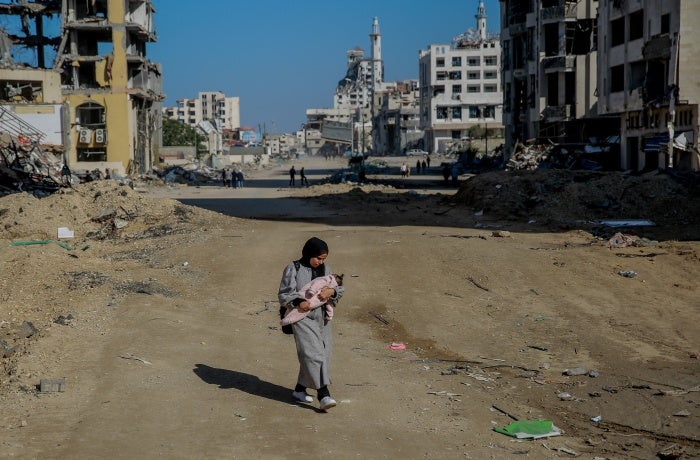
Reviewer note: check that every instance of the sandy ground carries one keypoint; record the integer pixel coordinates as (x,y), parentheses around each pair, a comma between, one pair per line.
(166,330)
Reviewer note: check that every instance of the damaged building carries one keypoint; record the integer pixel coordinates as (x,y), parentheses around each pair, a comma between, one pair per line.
(549,67)
(91,60)
(649,79)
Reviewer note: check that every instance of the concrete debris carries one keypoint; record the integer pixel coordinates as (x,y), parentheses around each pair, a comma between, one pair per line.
(25,166)
(52,385)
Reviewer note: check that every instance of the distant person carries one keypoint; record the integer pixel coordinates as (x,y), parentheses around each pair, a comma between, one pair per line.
(428,160)
(418,167)
(292,176)
(302,176)
(227,177)
(108,175)
(404,168)
(65,175)
(240,178)
(425,167)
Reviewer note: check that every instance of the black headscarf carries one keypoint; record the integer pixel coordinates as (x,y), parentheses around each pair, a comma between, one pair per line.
(314,247)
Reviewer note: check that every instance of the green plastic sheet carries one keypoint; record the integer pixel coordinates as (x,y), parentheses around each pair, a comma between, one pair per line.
(529,429)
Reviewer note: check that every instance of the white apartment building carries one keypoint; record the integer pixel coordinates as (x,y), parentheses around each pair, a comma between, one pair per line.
(649,77)
(212,106)
(460,86)
(549,67)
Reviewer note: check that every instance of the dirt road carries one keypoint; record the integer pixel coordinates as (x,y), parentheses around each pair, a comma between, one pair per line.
(174,349)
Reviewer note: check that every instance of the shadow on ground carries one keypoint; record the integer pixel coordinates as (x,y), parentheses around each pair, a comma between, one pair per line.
(228,379)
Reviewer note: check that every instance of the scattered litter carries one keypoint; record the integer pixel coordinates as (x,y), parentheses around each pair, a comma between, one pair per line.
(378,316)
(537,347)
(683,413)
(627,223)
(64,232)
(565,396)
(475,283)
(184,264)
(628,273)
(672,451)
(31,243)
(597,418)
(529,429)
(119,223)
(136,358)
(610,390)
(443,393)
(52,385)
(241,416)
(593,373)
(501,234)
(566,450)
(479,213)
(576,371)
(397,346)
(481,378)
(679,392)
(354,276)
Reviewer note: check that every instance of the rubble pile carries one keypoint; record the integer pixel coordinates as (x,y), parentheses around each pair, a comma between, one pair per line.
(190,174)
(560,196)
(24,166)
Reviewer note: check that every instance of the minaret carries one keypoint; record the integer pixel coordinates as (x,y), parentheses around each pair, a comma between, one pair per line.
(377,67)
(481,21)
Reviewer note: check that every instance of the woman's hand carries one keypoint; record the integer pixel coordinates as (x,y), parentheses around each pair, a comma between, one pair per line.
(304,306)
(326,293)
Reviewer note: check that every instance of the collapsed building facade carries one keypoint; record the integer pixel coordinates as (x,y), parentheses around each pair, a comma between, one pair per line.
(622,75)
(108,91)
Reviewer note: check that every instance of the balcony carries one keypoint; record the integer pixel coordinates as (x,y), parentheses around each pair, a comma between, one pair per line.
(559,63)
(564,12)
(659,47)
(558,112)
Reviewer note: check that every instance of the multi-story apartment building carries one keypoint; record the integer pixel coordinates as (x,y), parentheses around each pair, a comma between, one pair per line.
(213,106)
(396,125)
(549,66)
(354,100)
(110,90)
(649,77)
(460,86)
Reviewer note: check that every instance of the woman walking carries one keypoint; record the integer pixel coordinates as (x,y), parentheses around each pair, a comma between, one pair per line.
(312,335)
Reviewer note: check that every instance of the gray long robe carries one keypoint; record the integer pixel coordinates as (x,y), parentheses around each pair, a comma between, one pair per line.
(314,338)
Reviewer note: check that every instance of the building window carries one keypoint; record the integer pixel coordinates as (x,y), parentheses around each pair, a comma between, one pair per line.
(490,75)
(637,74)
(617,78)
(473,111)
(441,113)
(472,75)
(489,111)
(665,23)
(456,89)
(456,61)
(473,88)
(474,62)
(457,113)
(637,25)
(491,60)
(440,62)
(617,32)
(456,134)
(441,75)
(490,88)
(456,75)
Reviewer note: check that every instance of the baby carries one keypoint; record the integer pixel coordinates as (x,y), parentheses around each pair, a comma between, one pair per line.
(310,293)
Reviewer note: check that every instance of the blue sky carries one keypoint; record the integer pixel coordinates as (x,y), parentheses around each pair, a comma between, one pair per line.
(282,57)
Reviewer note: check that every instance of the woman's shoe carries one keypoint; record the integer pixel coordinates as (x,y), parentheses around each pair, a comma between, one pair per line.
(327,402)
(302,396)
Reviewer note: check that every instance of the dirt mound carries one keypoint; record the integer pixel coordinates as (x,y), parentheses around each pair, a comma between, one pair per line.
(115,231)
(558,196)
